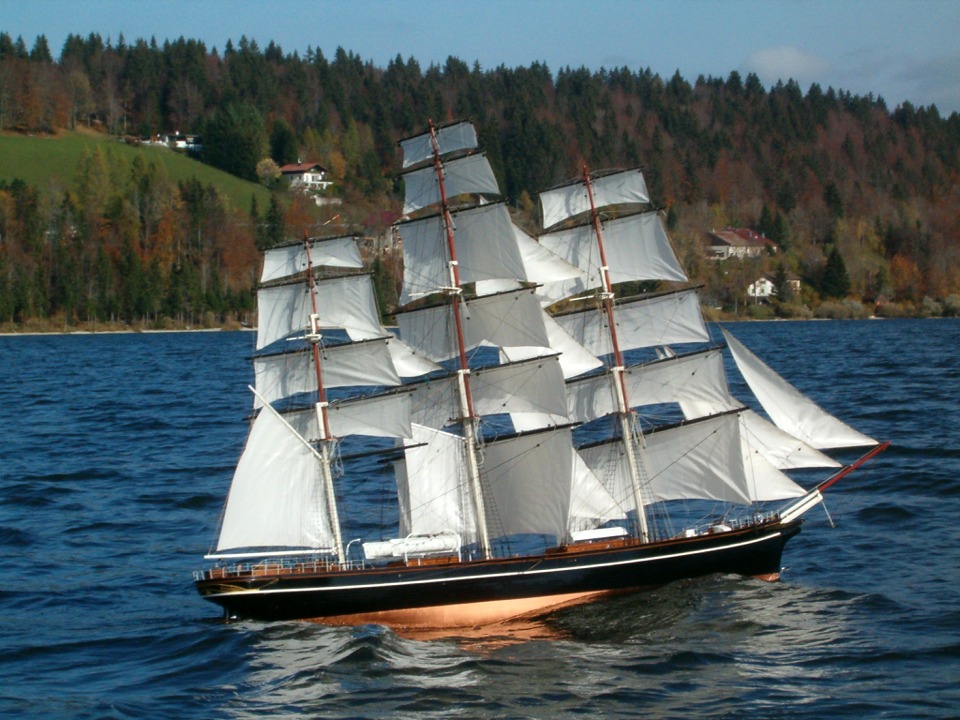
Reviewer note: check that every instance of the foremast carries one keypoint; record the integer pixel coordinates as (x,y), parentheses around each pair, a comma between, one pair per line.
(321,407)
(455,295)
(626,415)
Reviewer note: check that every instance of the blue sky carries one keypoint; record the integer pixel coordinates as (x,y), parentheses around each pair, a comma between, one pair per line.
(901,50)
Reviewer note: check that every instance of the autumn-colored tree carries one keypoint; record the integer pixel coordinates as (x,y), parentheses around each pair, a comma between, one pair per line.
(268,173)
(814,170)
(906,279)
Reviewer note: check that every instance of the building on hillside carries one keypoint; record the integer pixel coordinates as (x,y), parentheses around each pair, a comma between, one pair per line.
(306,176)
(175,141)
(763,289)
(738,242)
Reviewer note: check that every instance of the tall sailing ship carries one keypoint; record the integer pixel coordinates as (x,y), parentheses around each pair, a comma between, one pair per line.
(541,457)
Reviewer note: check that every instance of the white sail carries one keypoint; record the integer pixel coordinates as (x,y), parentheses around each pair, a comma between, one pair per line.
(684,379)
(637,248)
(702,460)
(556,278)
(432,485)
(779,448)
(574,358)
(289,260)
(529,481)
(450,138)
(669,319)
(386,415)
(436,402)
(410,364)
(281,310)
(570,200)
(342,302)
(591,504)
(353,364)
(530,386)
(708,460)
(788,408)
(700,387)
(485,246)
(276,498)
(504,320)
(471,174)
(765,481)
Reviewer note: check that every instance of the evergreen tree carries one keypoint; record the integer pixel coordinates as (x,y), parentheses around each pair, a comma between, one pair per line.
(831,196)
(41,50)
(133,289)
(765,224)
(235,141)
(781,284)
(283,143)
(672,218)
(834,282)
(274,229)
(778,233)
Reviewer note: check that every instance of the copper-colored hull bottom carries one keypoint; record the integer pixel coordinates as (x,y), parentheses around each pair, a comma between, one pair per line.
(466,615)
(769,577)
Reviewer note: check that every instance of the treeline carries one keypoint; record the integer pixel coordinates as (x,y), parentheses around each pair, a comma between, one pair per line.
(124,244)
(819,171)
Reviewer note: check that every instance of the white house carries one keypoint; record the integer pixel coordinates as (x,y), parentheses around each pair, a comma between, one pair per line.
(764,288)
(306,176)
(761,289)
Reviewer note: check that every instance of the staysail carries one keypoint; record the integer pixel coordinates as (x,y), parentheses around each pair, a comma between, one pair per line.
(788,408)
(701,460)
(286,511)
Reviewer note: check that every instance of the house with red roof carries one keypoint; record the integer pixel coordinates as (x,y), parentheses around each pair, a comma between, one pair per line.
(738,242)
(306,176)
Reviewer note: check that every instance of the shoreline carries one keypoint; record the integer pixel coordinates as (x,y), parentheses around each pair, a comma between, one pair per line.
(38,333)
(151,331)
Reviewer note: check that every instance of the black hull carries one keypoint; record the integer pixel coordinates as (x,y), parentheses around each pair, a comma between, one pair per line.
(455,593)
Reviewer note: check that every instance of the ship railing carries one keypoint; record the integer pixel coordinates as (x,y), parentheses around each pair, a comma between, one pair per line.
(727,524)
(265,567)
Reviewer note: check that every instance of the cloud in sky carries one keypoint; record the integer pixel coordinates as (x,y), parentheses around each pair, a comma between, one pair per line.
(786,62)
(936,80)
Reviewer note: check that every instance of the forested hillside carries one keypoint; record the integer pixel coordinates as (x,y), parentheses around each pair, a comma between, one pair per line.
(823,173)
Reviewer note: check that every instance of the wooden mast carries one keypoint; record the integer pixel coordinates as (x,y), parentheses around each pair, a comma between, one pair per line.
(323,421)
(455,292)
(617,371)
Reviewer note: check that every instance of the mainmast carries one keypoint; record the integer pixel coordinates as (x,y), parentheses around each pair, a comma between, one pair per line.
(323,421)
(455,293)
(624,412)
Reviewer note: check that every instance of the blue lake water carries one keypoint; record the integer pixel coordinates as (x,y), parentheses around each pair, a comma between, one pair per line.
(116,452)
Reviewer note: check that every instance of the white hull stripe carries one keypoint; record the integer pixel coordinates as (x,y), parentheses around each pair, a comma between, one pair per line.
(491,576)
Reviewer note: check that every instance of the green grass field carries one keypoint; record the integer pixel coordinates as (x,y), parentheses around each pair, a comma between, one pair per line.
(52,162)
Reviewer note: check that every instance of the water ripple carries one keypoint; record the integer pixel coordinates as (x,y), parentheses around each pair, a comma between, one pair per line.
(109,498)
